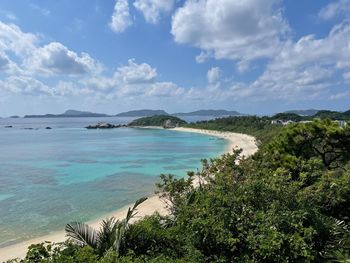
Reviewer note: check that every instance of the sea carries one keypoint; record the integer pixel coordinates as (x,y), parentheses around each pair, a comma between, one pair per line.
(50,177)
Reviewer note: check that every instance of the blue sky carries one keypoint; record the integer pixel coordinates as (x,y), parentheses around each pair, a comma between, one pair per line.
(254,56)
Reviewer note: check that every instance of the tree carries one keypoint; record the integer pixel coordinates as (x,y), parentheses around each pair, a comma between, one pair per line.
(300,143)
(109,236)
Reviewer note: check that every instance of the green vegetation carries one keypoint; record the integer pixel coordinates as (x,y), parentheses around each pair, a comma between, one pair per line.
(288,116)
(333,115)
(322,114)
(290,202)
(156,120)
(259,127)
(262,127)
(108,238)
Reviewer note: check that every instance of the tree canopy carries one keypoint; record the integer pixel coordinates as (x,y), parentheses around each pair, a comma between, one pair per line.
(157,120)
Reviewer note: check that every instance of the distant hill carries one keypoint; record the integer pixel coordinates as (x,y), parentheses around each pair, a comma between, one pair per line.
(157,120)
(69,114)
(288,116)
(141,113)
(333,115)
(309,112)
(347,113)
(216,113)
(320,114)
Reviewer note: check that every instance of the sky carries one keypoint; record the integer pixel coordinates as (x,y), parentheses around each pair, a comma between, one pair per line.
(109,56)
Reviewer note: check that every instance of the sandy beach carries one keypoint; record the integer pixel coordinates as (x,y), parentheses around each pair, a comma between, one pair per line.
(151,205)
(234,140)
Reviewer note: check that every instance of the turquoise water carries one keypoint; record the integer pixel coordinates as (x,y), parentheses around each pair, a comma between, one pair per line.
(51,177)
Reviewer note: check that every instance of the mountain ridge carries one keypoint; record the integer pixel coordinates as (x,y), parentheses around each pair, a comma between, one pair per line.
(216,113)
(141,113)
(69,114)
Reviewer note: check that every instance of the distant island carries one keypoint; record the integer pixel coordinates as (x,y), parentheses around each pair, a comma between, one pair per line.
(296,115)
(69,114)
(215,113)
(138,113)
(141,113)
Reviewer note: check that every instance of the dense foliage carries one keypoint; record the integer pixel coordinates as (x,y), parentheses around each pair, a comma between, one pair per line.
(333,115)
(157,120)
(322,114)
(288,116)
(290,202)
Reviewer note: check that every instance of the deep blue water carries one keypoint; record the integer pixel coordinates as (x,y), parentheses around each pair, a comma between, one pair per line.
(51,177)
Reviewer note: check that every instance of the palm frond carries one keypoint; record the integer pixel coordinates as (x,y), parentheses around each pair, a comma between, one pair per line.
(139,201)
(132,212)
(82,233)
(123,225)
(107,234)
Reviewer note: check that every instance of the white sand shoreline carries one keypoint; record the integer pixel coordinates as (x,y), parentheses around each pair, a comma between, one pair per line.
(151,205)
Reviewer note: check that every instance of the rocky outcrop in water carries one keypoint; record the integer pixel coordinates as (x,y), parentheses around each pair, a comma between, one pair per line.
(104,125)
(169,124)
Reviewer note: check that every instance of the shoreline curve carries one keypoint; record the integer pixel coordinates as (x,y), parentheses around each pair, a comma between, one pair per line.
(153,204)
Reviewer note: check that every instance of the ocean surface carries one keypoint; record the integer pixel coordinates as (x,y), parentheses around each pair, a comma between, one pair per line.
(51,177)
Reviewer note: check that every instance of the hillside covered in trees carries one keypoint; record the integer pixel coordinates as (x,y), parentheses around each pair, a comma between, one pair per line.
(156,120)
(322,115)
(290,202)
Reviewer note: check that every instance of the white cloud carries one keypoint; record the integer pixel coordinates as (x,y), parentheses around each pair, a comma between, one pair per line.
(305,69)
(121,18)
(27,85)
(346,76)
(4,62)
(24,85)
(13,39)
(7,65)
(293,84)
(332,50)
(335,9)
(133,80)
(41,64)
(239,30)
(340,95)
(165,89)
(213,75)
(139,80)
(152,9)
(55,58)
(203,56)
(136,73)
(66,88)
